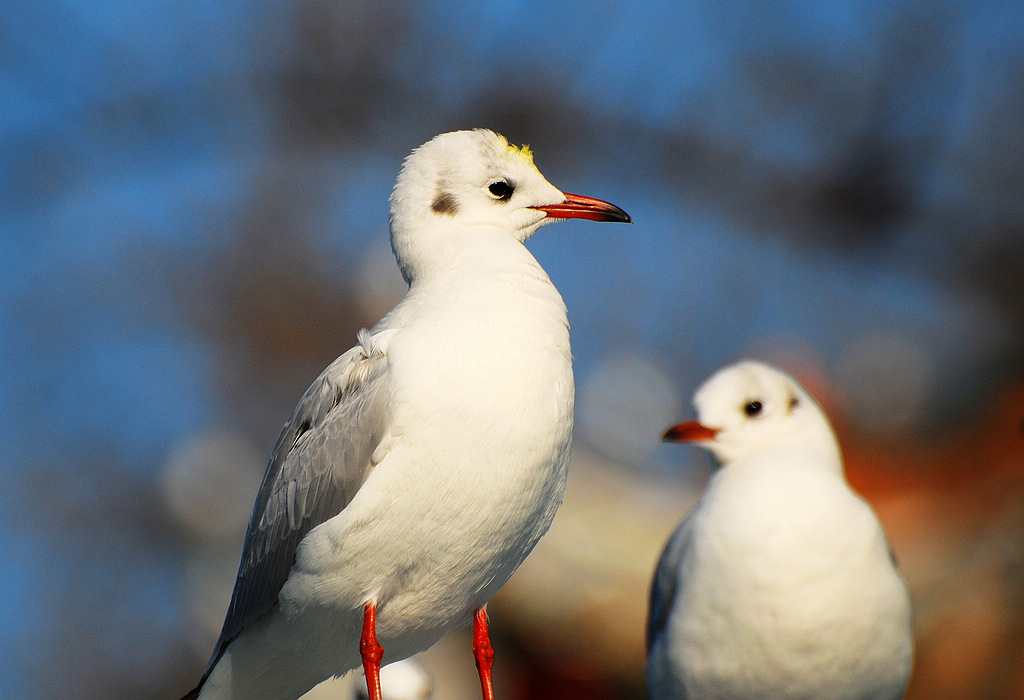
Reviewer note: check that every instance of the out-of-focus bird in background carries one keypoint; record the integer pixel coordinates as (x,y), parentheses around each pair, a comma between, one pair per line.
(780,582)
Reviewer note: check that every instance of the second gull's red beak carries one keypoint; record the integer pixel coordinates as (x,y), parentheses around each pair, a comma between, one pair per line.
(689,432)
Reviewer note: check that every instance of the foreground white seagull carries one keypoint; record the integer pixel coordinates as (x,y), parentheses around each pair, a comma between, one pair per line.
(422,466)
(779,583)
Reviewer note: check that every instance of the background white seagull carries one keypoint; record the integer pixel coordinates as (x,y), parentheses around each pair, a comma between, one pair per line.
(422,466)
(779,583)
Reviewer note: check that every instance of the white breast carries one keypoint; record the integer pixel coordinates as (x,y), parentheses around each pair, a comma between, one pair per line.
(478,458)
(789,592)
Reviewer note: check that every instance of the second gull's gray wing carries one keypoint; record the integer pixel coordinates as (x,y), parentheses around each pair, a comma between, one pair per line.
(320,460)
(666,585)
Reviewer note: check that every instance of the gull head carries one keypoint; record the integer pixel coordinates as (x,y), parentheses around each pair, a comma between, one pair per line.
(472,183)
(750,407)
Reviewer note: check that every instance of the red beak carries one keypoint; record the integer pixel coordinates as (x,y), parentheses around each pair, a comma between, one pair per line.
(689,432)
(579,207)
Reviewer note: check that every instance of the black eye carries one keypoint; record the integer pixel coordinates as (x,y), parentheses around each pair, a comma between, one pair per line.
(753,408)
(500,190)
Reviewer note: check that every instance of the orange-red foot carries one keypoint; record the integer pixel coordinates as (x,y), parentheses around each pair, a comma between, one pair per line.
(483,652)
(371,651)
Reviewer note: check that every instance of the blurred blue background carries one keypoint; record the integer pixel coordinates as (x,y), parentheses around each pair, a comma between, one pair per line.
(193,223)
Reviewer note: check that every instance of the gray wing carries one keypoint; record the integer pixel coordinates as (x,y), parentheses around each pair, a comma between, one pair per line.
(321,458)
(667,584)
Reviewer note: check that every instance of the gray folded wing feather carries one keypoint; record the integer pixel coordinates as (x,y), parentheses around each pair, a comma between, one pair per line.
(667,581)
(321,458)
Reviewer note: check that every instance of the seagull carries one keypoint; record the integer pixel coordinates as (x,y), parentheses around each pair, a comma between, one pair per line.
(779,583)
(422,466)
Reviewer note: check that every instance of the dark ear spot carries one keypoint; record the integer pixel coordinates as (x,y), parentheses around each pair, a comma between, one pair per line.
(444,203)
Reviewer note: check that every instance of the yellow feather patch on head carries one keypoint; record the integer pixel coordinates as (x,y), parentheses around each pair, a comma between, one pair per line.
(523,152)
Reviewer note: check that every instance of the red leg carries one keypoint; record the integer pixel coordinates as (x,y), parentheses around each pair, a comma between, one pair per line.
(371,651)
(483,652)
